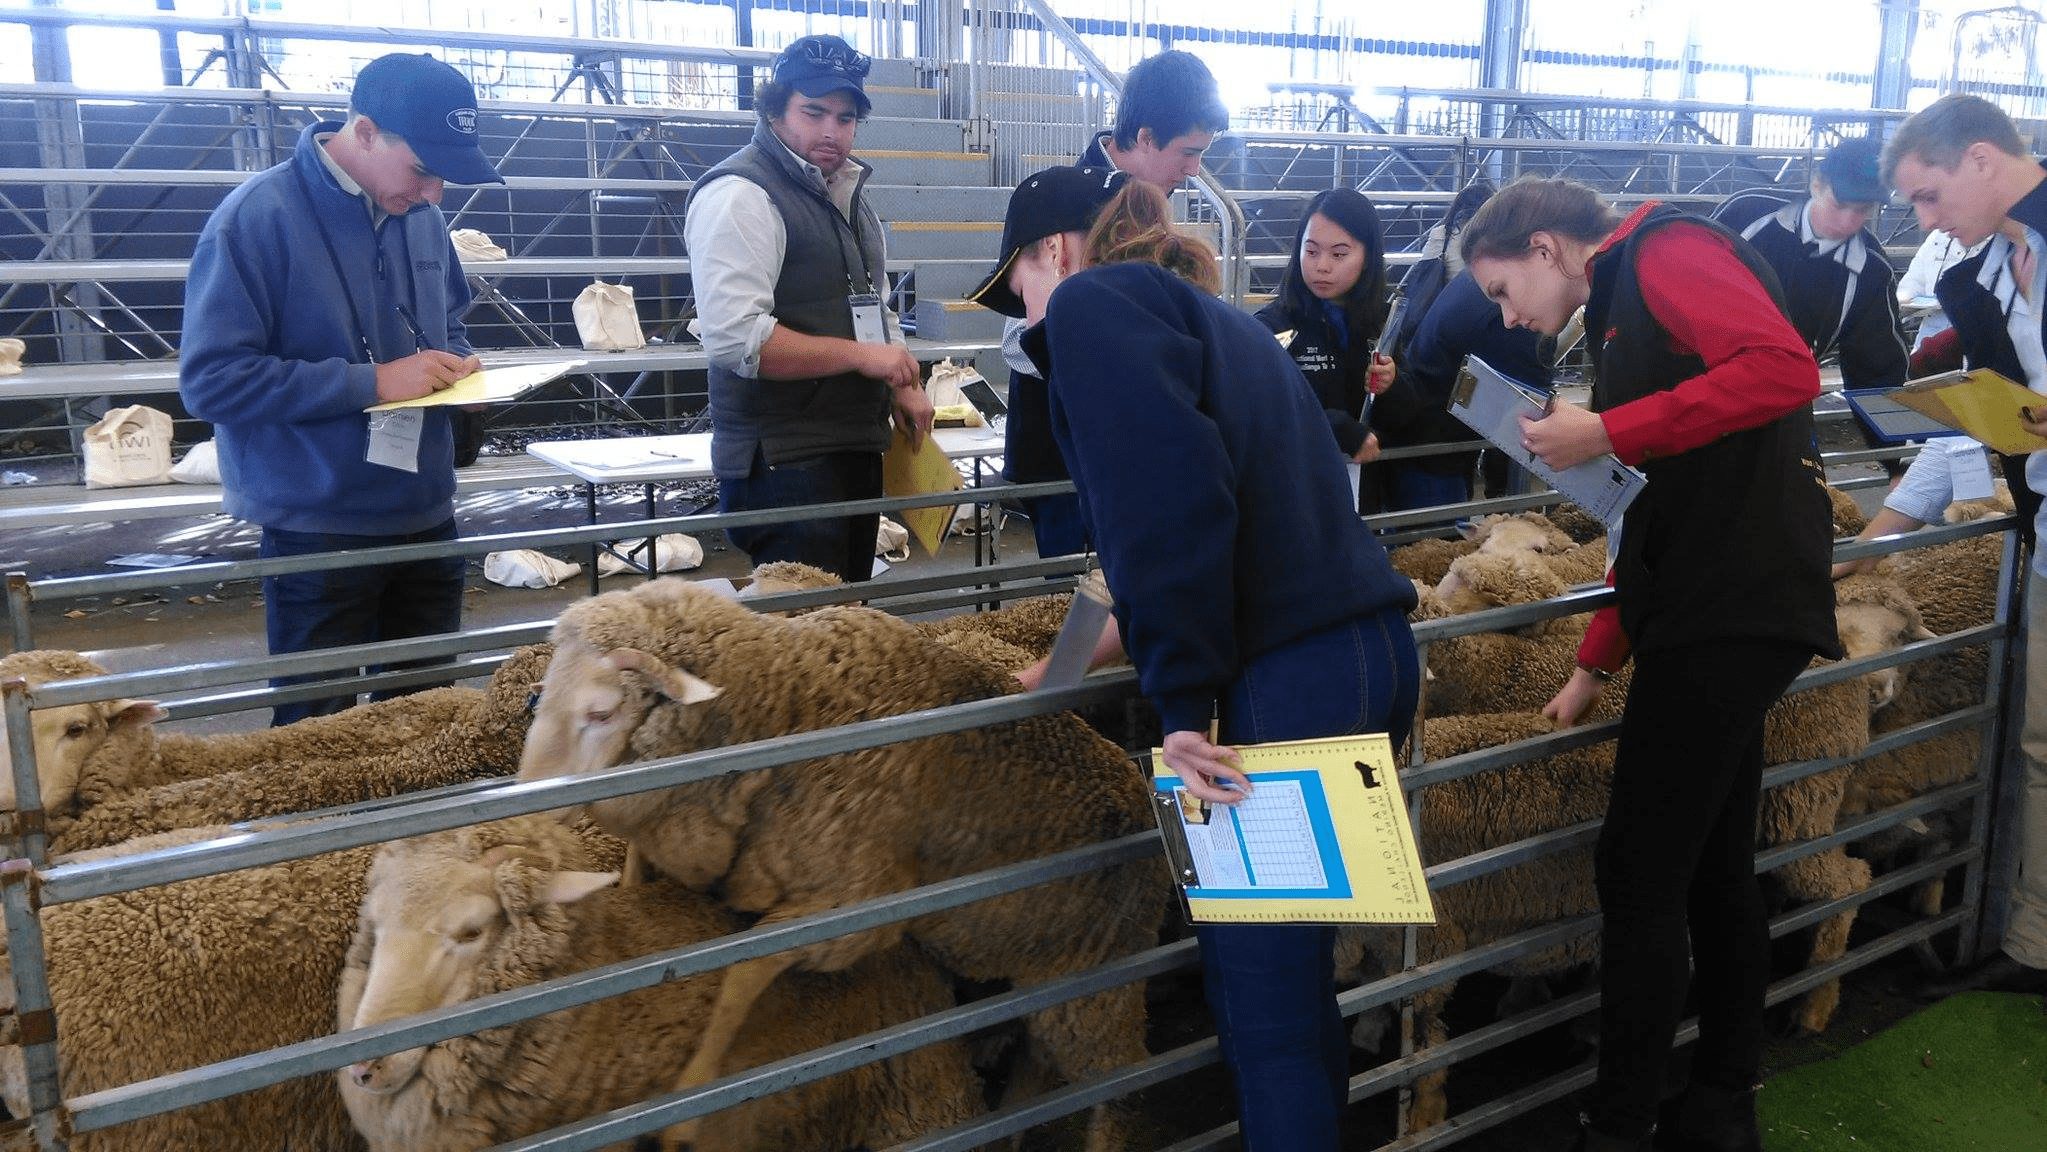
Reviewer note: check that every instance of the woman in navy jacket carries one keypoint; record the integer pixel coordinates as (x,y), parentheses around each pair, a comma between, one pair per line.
(1248,591)
(1333,301)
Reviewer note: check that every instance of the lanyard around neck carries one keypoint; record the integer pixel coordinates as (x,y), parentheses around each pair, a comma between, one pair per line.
(355,313)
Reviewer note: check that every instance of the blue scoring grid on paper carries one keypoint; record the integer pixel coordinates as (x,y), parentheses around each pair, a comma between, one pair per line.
(1319,822)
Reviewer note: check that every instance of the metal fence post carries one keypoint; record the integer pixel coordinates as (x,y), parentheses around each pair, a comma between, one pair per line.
(27,963)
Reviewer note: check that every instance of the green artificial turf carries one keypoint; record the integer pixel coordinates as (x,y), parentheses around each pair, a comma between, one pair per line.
(1966,1075)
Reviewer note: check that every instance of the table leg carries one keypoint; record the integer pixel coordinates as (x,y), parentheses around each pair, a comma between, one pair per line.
(653,544)
(590,510)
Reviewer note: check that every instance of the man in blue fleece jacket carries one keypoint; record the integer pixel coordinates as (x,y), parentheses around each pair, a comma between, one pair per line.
(320,287)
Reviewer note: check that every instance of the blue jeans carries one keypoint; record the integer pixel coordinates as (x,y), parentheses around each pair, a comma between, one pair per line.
(303,611)
(842,546)
(1272,987)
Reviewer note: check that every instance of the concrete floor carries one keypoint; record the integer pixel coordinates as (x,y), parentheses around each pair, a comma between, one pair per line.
(185,623)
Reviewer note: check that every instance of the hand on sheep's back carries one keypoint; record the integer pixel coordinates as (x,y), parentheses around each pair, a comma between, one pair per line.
(1574,699)
(1211,772)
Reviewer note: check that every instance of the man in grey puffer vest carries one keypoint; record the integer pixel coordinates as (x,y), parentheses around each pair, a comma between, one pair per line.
(807,364)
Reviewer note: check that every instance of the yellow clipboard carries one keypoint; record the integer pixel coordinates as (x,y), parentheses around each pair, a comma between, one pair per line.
(908,473)
(1983,403)
(489,386)
(1323,839)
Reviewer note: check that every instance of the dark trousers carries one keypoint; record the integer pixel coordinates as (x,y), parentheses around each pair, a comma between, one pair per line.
(1056,526)
(1676,874)
(1410,486)
(843,546)
(1272,987)
(331,609)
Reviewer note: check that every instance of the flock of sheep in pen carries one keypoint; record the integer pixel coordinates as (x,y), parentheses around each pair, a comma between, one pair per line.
(205,970)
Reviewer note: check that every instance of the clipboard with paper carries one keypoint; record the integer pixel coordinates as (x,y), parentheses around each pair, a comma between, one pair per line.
(1492,404)
(915,472)
(1983,404)
(489,386)
(1324,838)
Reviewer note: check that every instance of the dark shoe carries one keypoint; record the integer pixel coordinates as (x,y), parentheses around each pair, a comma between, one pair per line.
(1996,972)
(1709,1118)
(1591,1139)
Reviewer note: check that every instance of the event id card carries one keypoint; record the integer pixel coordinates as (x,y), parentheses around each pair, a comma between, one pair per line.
(394,438)
(867,324)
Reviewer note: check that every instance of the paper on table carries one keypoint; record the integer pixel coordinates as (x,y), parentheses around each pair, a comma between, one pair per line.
(489,386)
(1493,404)
(1984,404)
(907,473)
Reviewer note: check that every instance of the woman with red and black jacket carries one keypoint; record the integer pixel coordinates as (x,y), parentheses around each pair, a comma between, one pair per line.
(1723,597)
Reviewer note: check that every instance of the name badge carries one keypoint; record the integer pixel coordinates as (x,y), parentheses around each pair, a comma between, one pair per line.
(1969,469)
(867,324)
(394,438)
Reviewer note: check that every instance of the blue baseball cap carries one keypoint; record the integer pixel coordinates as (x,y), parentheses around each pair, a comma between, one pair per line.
(432,107)
(1850,169)
(816,65)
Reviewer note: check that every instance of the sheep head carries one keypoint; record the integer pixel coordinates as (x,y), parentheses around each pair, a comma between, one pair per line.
(66,737)
(1527,532)
(1495,580)
(450,917)
(1873,615)
(593,701)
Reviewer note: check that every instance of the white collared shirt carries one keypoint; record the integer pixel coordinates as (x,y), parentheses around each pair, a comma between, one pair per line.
(737,242)
(347,182)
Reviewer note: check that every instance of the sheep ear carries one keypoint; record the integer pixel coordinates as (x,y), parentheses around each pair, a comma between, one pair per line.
(1919,631)
(668,680)
(123,714)
(569,887)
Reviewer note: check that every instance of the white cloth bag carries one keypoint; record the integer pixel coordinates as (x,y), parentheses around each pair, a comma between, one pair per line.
(527,568)
(11,352)
(675,552)
(128,446)
(473,245)
(201,465)
(606,318)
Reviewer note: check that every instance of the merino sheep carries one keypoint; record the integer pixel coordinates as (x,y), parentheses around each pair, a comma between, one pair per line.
(66,737)
(665,669)
(1427,561)
(427,740)
(204,970)
(196,972)
(1474,814)
(462,914)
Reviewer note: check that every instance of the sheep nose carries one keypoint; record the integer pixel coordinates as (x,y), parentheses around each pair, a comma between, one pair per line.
(363,1073)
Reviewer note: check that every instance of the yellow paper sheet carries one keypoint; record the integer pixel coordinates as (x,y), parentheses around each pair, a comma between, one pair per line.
(1324,838)
(1984,404)
(490,386)
(907,473)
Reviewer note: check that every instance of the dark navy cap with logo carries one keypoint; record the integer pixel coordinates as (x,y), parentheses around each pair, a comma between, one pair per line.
(1053,201)
(1850,170)
(816,65)
(432,107)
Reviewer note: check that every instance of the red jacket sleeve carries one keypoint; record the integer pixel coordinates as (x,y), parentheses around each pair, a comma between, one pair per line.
(1757,367)
(1605,646)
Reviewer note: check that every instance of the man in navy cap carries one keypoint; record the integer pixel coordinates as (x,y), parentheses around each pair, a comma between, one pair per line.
(321,287)
(808,366)
(1838,285)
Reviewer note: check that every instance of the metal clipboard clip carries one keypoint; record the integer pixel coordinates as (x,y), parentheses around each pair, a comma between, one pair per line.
(1174,833)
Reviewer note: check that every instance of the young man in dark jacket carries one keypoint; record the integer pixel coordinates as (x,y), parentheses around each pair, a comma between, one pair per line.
(1839,287)
(1166,118)
(1962,167)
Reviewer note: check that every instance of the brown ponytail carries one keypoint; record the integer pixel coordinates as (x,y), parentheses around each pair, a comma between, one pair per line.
(1137,225)
(1501,229)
